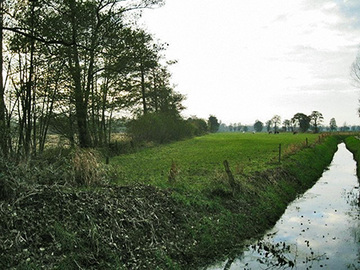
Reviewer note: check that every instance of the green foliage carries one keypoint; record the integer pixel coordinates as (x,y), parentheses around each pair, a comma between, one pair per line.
(78,86)
(213,124)
(353,145)
(258,126)
(316,119)
(308,164)
(302,120)
(9,180)
(332,124)
(159,128)
(199,126)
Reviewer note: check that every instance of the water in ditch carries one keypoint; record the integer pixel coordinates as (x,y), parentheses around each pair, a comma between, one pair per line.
(319,230)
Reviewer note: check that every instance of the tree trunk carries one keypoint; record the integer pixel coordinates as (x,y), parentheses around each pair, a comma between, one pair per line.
(143,89)
(80,97)
(3,128)
(80,104)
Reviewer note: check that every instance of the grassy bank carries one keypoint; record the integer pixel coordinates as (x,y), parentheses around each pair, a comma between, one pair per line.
(171,207)
(223,218)
(353,145)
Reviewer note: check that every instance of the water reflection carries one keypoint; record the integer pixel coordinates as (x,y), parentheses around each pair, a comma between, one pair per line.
(319,230)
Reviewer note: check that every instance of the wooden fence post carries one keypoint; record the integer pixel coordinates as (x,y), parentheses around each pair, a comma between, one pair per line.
(280,153)
(229,174)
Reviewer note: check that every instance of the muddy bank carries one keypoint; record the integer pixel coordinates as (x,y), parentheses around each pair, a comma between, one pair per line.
(144,227)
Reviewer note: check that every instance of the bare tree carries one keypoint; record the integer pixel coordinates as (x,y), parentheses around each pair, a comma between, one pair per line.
(355,73)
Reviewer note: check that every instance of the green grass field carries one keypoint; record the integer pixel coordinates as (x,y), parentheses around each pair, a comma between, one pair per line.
(187,223)
(198,162)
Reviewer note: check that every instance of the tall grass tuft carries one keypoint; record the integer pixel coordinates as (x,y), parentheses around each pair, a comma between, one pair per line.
(86,168)
(173,172)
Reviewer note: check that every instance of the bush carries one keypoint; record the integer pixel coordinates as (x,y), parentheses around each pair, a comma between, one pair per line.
(199,126)
(8,187)
(11,178)
(159,128)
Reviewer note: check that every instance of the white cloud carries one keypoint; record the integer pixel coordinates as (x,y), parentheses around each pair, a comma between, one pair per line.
(247,60)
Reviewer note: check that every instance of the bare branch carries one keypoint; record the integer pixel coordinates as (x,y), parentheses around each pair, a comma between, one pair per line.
(41,39)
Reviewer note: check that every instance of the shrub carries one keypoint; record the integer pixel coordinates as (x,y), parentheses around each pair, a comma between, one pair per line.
(159,128)
(11,178)
(7,187)
(199,126)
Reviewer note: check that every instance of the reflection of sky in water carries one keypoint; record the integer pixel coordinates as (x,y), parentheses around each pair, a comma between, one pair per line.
(323,224)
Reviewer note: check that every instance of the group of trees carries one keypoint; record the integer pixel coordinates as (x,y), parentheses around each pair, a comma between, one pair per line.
(299,122)
(165,127)
(233,127)
(70,66)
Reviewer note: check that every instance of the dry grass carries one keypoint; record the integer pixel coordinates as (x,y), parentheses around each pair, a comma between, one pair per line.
(293,148)
(87,170)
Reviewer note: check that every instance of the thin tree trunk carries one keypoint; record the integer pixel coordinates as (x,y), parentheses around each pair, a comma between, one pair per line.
(29,88)
(143,89)
(109,127)
(34,117)
(3,127)
(155,92)
(94,127)
(103,110)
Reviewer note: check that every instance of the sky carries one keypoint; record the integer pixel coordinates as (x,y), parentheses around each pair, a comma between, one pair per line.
(247,60)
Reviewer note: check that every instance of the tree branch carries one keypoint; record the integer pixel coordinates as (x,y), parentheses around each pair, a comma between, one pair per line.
(41,39)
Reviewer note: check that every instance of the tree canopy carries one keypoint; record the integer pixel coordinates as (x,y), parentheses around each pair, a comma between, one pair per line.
(213,124)
(258,126)
(316,119)
(302,120)
(70,66)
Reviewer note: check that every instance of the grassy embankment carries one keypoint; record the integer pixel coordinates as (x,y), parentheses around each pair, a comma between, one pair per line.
(153,219)
(353,145)
(220,215)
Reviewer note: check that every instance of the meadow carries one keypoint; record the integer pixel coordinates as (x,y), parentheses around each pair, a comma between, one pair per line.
(196,163)
(170,206)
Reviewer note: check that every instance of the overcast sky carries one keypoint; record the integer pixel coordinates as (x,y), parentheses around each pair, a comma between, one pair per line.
(243,60)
